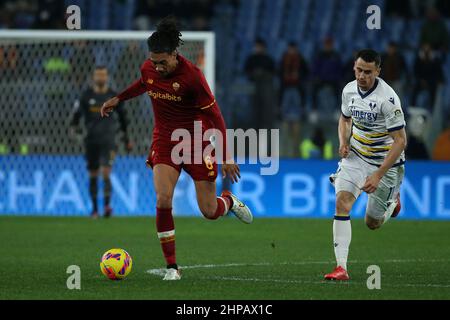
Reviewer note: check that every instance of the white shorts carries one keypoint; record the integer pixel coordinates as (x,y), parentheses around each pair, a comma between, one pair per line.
(351,177)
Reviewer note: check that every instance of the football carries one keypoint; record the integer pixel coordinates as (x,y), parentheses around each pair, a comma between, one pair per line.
(116,264)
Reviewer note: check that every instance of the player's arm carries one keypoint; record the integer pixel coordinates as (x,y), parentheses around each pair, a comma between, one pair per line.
(76,114)
(123,121)
(344,128)
(135,89)
(213,114)
(395,124)
(211,111)
(398,146)
(74,124)
(229,168)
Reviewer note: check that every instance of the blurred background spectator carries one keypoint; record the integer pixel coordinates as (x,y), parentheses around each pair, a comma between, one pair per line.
(441,151)
(393,69)
(428,75)
(326,73)
(260,70)
(416,148)
(293,77)
(434,31)
(262,78)
(317,146)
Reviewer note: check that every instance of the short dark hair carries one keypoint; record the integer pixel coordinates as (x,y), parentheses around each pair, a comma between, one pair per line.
(369,55)
(166,38)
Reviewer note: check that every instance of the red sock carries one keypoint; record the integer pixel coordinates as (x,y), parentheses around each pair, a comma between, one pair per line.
(166,234)
(223,205)
(229,202)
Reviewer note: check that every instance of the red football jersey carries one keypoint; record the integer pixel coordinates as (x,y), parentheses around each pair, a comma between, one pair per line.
(178,100)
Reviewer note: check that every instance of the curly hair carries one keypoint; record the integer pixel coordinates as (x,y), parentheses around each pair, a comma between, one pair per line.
(166,38)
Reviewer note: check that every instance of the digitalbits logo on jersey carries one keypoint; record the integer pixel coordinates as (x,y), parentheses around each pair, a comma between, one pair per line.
(116,264)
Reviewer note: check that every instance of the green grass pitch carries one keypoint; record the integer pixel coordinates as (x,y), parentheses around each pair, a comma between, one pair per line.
(275,259)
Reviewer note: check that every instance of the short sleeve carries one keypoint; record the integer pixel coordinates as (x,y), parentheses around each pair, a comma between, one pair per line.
(393,114)
(345,108)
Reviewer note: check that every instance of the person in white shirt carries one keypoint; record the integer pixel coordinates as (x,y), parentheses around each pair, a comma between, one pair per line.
(372,141)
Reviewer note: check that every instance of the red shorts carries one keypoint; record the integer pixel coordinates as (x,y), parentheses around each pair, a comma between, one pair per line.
(207,170)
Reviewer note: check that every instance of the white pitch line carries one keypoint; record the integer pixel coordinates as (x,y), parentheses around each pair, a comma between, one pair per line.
(162,272)
(323,282)
(159,272)
(275,280)
(227,265)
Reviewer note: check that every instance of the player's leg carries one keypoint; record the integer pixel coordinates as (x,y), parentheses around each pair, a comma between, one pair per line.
(342,234)
(107,190)
(212,207)
(348,182)
(93,191)
(165,178)
(385,201)
(93,166)
(107,155)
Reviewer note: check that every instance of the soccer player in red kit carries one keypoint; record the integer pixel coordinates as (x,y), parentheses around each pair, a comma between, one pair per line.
(180,96)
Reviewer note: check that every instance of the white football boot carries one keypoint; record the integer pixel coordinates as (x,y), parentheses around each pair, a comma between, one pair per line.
(390,210)
(240,210)
(172,274)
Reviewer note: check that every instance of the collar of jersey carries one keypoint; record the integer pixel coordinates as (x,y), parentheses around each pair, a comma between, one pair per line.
(363,95)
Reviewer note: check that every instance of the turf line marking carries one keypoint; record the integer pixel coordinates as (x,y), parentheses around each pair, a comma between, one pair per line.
(324,282)
(162,272)
(276,280)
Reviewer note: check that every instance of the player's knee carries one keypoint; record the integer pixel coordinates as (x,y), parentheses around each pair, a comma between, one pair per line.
(343,206)
(163,200)
(373,224)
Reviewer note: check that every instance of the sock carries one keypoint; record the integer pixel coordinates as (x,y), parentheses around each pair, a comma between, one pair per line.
(229,201)
(223,205)
(107,190)
(342,236)
(93,192)
(166,235)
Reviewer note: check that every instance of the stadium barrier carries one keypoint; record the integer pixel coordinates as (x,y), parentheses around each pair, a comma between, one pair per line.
(58,186)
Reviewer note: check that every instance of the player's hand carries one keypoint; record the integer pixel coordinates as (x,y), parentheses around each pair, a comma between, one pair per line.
(344,150)
(109,106)
(372,182)
(231,170)
(128,144)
